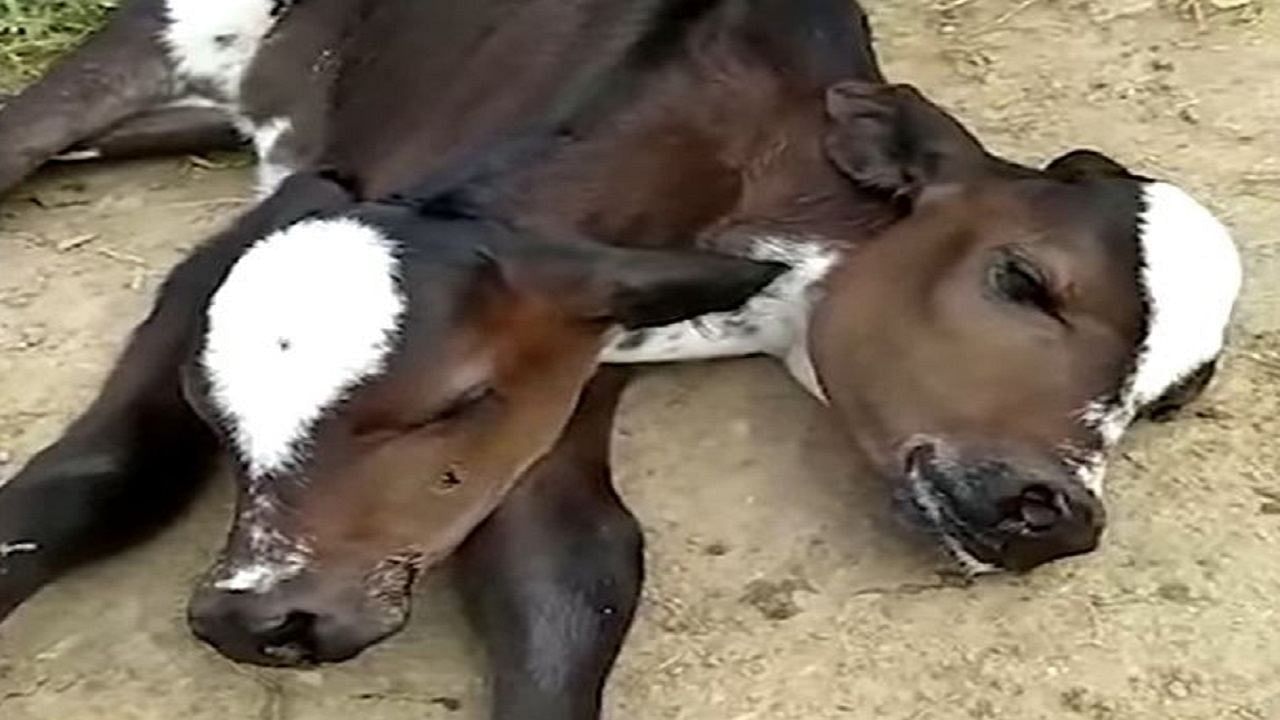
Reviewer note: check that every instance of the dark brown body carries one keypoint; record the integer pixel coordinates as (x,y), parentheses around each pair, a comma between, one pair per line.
(634,123)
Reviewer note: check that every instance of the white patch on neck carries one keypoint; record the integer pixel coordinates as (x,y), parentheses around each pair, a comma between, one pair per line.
(1191,276)
(304,315)
(273,165)
(214,41)
(774,321)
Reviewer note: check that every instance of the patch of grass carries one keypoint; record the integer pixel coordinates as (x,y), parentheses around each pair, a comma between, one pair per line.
(34,32)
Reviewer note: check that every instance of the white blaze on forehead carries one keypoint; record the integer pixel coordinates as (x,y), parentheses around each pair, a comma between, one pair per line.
(1191,274)
(304,315)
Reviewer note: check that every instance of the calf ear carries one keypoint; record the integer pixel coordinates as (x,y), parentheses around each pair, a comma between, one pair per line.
(889,138)
(1084,165)
(638,288)
(645,288)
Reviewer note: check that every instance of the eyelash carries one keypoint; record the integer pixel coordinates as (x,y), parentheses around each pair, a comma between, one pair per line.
(1032,290)
(457,408)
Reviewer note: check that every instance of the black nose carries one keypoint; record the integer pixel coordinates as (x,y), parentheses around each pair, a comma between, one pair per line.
(1048,520)
(254,628)
(1036,508)
(1014,514)
(278,630)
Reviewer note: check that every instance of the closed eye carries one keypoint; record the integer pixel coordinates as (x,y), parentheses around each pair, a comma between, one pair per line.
(456,408)
(385,427)
(1018,280)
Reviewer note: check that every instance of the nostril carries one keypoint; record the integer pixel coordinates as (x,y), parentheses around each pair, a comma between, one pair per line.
(292,640)
(288,654)
(1037,508)
(294,625)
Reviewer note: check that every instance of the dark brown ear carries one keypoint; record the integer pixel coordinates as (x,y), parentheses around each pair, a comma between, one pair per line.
(1085,164)
(646,288)
(638,288)
(889,138)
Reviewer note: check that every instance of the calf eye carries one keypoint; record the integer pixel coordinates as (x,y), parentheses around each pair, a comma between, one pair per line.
(457,407)
(1017,280)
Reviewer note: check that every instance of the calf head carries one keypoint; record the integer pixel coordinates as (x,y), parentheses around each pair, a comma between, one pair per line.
(381,376)
(991,346)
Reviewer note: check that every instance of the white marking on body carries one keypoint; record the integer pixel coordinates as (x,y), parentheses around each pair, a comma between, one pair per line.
(272,168)
(304,315)
(268,567)
(194,101)
(78,155)
(270,557)
(214,41)
(774,321)
(14,548)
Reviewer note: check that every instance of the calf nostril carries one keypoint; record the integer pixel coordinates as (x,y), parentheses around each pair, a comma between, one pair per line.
(1041,508)
(292,640)
(291,654)
(1037,508)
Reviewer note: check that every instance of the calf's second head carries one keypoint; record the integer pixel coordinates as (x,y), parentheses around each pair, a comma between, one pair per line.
(381,377)
(989,348)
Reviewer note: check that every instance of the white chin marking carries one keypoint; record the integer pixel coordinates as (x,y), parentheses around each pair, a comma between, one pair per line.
(1191,276)
(304,315)
(213,41)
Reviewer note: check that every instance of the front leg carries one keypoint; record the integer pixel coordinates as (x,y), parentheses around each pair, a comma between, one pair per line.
(139,453)
(166,130)
(552,578)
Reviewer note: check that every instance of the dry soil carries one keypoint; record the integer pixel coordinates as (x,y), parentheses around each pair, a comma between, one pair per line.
(780,586)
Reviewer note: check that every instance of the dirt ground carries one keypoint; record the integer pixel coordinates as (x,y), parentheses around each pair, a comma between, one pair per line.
(780,585)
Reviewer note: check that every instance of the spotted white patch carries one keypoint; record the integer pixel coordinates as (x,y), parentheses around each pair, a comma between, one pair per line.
(264,556)
(273,559)
(1191,276)
(773,322)
(212,42)
(303,316)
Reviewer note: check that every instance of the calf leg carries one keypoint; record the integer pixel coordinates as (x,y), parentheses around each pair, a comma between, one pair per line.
(139,453)
(552,578)
(121,70)
(173,130)
(130,462)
